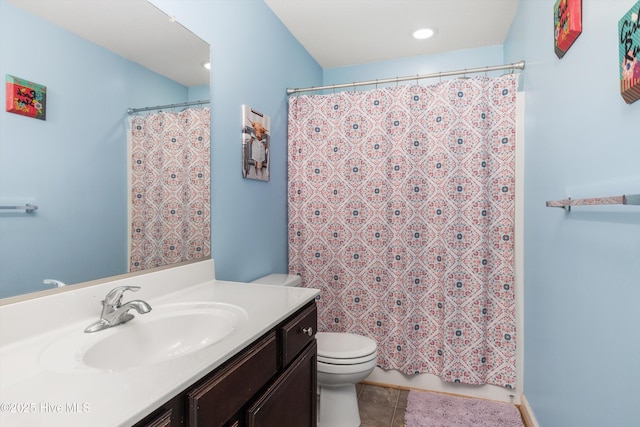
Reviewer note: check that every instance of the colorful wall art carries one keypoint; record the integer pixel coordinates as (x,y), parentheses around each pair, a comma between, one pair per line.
(629,48)
(567,17)
(26,98)
(256,159)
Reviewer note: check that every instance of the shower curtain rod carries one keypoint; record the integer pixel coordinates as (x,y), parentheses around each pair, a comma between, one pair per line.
(167,107)
(513,66)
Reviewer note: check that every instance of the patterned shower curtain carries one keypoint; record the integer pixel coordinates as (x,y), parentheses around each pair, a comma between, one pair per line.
(170,188)
(401,210)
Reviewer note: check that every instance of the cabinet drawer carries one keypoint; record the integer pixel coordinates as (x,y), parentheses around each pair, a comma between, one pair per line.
(161,420)
(297,333)
(168,415)
(217,399)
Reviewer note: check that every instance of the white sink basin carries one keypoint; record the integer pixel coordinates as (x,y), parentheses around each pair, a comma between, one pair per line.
(168,332)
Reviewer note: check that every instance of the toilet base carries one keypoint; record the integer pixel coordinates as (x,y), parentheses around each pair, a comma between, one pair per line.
(338,407)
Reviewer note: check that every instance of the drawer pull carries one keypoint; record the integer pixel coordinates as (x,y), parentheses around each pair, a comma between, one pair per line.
(308,331)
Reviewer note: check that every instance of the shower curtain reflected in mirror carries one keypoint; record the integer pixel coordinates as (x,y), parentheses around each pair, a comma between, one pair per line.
(401,210)
(169,188)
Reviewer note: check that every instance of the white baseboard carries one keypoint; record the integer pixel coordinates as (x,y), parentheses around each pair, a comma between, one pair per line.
(527,412)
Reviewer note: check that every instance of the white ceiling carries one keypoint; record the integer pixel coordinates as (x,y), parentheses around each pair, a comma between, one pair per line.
(348,32)
(135,29)
(335,32)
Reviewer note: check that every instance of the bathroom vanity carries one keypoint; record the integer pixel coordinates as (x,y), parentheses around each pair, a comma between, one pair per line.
(244,355)
(270,383)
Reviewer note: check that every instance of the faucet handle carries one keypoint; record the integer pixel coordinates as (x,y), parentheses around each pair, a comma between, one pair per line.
(115,295)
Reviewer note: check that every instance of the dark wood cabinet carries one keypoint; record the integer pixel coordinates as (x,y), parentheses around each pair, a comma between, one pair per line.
(163,419)
(222,395)
(296,333)
(270,383)
(291,401)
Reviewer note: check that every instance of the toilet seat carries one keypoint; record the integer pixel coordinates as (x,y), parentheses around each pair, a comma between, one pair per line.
(353,361)
(340,348)
(344,369)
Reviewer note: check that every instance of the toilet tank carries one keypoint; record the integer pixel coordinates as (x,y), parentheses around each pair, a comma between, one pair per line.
(280,280)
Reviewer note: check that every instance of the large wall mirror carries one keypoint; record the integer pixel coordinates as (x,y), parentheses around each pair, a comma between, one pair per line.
(97,59)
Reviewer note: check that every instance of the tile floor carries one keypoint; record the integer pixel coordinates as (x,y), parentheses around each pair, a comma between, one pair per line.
(381,406)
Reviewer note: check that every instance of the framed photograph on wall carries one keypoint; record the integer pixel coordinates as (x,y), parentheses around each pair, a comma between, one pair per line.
(567,24)
(26,98)
(629,49)
(256,144)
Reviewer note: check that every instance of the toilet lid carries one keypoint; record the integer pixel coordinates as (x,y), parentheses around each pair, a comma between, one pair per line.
(341,345)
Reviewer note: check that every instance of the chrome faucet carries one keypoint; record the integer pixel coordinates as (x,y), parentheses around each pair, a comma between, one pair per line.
(114,312)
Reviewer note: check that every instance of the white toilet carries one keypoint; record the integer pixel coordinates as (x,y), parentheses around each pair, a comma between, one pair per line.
(343,360)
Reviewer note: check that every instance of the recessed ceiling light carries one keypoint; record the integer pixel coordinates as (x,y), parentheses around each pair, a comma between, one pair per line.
(207,65)
(424,33)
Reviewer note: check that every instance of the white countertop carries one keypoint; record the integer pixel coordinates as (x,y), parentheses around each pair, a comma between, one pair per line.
(32,394)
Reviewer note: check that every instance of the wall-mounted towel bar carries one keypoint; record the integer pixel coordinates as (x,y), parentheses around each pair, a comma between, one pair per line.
(629,199)
(28,208)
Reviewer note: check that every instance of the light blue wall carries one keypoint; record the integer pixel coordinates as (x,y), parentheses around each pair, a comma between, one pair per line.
(199,93)
(582,269)
(426,64)
(73,165)
(254,59)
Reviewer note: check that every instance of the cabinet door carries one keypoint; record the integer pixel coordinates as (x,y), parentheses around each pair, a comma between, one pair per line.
(291,401)
(220,397)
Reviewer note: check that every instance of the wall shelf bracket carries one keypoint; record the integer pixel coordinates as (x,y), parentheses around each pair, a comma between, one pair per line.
(566,204)
(27,207)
